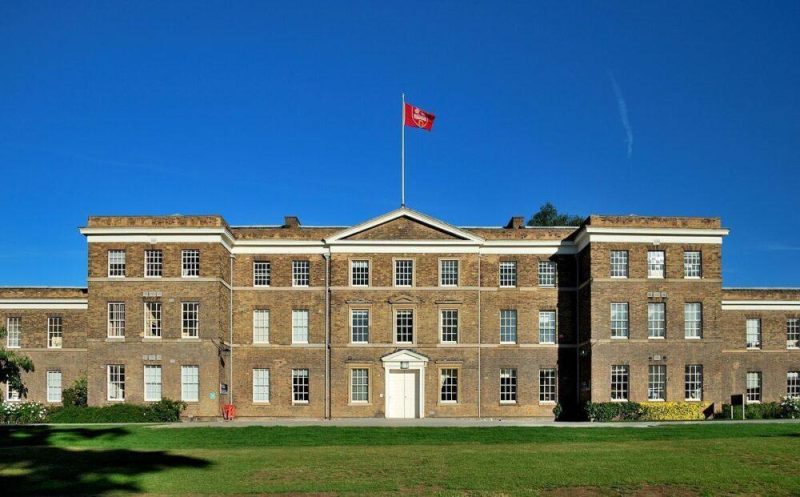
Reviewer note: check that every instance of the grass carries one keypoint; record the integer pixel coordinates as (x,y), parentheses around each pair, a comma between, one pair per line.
(685,460)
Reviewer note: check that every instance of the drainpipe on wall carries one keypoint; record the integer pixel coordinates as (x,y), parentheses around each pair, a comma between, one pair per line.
(480,371)
(327,334)
(577,333)
(230,327)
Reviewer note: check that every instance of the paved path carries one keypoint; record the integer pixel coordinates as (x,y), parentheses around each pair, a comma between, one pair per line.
(443,422)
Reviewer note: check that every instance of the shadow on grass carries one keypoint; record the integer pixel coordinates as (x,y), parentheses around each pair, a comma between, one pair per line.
(32,464)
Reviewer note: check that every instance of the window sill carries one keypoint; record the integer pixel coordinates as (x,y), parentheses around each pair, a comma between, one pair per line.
(448,402)
(508,343)
(116,277)
(261,402)
(618,400)
(299,343)
(753,402)
(115,339)
(299,286)
(13,347)
(115,401)
(656,338)
(151,339)
(619,338)
(753,348)
(448,343)
(693,338)
(547,286)
(260,286)
(656,400)
(190,276)
(152,400)
(260,344)
(358,403)
(692,277)
(547,403)
(299,402)
(153,277)
(507,287)
(547,343)
(54,348)
(693,400)
(508,402)
(191,402)
(619,277)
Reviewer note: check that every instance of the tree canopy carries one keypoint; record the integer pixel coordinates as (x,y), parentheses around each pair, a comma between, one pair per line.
(548,215)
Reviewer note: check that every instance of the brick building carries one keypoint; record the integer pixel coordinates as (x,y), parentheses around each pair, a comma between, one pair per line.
(405,316)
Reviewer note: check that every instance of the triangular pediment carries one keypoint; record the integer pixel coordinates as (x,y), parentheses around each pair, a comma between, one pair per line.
(404,225)
(404,355)
(403,299)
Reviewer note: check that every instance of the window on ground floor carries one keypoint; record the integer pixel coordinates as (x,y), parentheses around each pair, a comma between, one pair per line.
(508,385)
(54,386)
(547,385)
(152,383)
(793,384)
(657,382)
(619,382)
(300,388)
(260,385)
(359,385)
(448,385)
(753,381)
(693,378)
(190,383)
(115,384)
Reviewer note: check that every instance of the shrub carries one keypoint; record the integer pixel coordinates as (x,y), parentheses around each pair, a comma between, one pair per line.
(613,411)
(791,407)
(645,411)
(76,395)
(558,411)
(159,412)
(22,413)
(787,408)
(165,410)
(674,411)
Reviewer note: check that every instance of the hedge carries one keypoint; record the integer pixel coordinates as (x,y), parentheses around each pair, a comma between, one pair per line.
(163,411)
(646,411)
(786,408)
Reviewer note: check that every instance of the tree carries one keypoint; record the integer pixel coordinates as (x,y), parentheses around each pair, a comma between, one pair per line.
(548,215)
(12,366)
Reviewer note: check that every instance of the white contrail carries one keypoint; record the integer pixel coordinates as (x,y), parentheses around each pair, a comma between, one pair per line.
(623,113)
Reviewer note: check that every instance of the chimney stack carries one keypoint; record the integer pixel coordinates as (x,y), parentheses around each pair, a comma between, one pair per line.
(516,222)
(291,222)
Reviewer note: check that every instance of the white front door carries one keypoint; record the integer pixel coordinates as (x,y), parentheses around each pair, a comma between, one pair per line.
(402,392)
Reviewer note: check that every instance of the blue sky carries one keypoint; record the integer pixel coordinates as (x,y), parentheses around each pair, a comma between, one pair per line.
(257,110)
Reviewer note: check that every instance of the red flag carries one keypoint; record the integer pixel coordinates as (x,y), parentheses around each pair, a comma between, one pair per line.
(418,118)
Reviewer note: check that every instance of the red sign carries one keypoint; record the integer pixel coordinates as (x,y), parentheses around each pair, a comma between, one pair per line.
(418,118)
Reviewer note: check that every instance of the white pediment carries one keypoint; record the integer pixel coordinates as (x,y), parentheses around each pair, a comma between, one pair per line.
(457,234)
(404,355)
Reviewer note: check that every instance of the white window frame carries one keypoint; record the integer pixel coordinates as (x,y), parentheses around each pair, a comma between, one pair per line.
(408,326)
(656,264)
(509,326)
(693,383)
(620,320)
(508,386)
(12,395)
(404,274)
(53,386)
(507,271)
(359,325)
(620,383)
(190,383)
(261,326)
(190,263)
(448,386)
(262,273)
(360,273)
(656,320)
(618,264)
(301,386)
(793,384)
(190,319)
(55,332)
(754,388)
(548,327)
(692,264)
(548,386)
(153,384)
(153,324)
(693,313)
(116,320)
(300,326)
(448,325)
(115,382)
(301,273)
(261,386)
(446,276)
(753,333)
(548,274)
(657,382)
(114,271)
(153,263)
(13,332)
(359,383)
(793,333)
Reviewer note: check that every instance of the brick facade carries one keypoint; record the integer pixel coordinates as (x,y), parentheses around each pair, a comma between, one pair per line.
(310,327)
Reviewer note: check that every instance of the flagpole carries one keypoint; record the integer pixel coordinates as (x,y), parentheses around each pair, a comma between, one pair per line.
(403,152)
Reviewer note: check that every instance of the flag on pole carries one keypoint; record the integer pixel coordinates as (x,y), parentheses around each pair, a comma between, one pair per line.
(418,118)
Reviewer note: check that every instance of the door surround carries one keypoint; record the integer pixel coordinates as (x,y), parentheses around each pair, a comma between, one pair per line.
(405,360)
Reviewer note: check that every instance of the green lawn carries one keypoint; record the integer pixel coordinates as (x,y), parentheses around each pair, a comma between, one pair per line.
(685,460)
